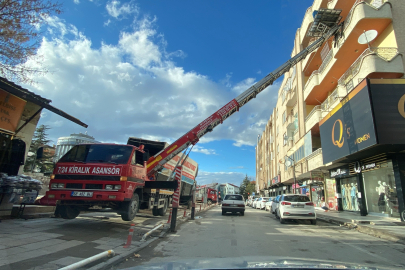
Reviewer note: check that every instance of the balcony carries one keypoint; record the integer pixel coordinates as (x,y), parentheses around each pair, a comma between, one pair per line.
(308,19)
(364,15)
(313,118)
(296,136)
(318,75)
(315,160)
(373,63)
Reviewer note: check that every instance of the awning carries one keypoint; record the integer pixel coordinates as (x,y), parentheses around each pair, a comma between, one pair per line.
(23,93)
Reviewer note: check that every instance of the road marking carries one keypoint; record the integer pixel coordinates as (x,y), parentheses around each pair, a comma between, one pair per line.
(233,242)
(233,231)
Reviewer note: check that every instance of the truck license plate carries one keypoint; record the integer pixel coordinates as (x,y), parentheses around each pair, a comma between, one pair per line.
(81,194)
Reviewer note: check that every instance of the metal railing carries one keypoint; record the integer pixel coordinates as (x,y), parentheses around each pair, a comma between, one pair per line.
(315,153)
(327,104)
(314,110)
(385,53)
(324,64)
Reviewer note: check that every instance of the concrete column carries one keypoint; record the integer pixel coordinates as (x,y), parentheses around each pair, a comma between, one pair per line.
(361,201)
(398,163)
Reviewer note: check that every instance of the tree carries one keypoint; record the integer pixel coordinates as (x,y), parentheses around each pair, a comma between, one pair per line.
(246,188)
(40,139)
(20,24)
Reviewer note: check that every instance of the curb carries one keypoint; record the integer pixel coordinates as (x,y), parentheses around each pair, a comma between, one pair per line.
(123,256)
(366,230)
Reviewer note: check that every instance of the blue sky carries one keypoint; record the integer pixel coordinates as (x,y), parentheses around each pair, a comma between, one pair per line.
(155,69)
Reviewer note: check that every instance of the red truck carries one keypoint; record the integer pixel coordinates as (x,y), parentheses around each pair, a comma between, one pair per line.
(114,176)
(209,192)
(126,177)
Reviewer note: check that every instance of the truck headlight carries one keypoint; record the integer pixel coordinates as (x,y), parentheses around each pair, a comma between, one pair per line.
(54,185)
(117,187)
(108,186)
(60,185)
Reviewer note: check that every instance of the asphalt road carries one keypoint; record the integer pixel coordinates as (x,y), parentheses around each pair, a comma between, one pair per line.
(259,233)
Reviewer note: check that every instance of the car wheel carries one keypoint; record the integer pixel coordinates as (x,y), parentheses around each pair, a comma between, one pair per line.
(313,221)
(282,221)
(223,212)
(242,213)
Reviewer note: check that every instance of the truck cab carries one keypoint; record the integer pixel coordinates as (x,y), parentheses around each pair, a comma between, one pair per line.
(98,176)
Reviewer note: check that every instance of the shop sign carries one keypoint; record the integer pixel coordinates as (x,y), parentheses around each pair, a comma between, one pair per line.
(388,98)
(339,172)
(358,167)
(11,109)
(349,127)
(316,176)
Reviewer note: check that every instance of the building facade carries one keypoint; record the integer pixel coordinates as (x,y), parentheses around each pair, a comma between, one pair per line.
(64,144)
(336,131)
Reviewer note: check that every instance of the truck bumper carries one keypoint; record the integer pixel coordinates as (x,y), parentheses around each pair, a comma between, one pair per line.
(66,195)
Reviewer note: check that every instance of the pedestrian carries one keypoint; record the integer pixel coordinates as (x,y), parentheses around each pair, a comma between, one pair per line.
(323,205)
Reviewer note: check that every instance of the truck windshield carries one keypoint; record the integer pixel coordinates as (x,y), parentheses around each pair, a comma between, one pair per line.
(98,153)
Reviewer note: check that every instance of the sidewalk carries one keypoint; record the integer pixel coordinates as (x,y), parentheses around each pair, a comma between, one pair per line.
(391,229)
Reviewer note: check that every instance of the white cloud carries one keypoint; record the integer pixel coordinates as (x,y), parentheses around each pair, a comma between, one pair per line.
(133,88)
(204,178)
(199,149)
(76,1)
(118,11)
(106,23)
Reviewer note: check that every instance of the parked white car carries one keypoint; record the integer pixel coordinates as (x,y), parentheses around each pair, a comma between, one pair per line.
(254,202)
(268,204)
(263,202)
(274,204)
(295,206)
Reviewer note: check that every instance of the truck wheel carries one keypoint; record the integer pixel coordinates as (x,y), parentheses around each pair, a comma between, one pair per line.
(162,211)
(68,212)
(209,202)
(130,208)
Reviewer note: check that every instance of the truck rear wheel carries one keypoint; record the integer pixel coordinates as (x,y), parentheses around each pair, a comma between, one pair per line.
(68,212)
(130,209)
(162,211)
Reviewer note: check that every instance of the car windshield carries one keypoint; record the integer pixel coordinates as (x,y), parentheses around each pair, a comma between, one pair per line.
(295,198)
(234,197)
(98,153)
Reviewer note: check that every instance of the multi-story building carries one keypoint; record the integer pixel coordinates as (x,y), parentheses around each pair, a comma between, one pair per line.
(64,144)
(338,127)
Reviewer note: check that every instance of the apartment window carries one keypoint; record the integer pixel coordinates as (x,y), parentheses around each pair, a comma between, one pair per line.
(284,117)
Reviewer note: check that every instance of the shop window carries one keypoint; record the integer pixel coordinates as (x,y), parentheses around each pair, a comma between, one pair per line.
(349,194)
(381,193)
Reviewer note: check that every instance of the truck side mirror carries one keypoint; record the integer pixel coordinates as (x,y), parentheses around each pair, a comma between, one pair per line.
(40,153)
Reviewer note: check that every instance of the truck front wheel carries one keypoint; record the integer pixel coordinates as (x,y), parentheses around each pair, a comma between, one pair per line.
(68,212)
(129,209)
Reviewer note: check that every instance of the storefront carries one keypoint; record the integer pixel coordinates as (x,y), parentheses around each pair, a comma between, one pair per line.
(366,131)
(19,115)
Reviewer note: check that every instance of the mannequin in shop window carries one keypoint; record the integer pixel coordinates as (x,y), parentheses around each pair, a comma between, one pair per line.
(348,198)
(387,192)
(381,199)
(344,197)
(353,194)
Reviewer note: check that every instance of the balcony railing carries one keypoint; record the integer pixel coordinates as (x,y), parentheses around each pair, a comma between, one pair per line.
(324,64)
(346,79)
(327,104)
(314,110)
(315,153)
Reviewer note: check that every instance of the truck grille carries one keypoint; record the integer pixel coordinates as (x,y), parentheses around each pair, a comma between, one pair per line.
(74,185)
(94,186)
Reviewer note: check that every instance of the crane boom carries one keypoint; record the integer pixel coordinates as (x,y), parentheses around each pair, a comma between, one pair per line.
(155,163)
